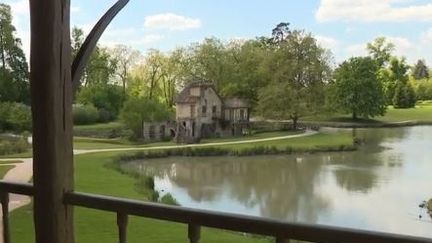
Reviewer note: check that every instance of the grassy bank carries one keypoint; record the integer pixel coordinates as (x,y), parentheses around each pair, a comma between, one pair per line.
(95,226)
(4,169)
(420,115)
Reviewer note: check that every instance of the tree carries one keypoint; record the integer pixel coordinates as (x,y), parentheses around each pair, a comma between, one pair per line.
(381,51)
(102,65)
(14,78)
(138,110)
(126,58)
(299,68)
(107,98)
(357,90)
(281,32)
(403,95)
(420,70)
(280,101)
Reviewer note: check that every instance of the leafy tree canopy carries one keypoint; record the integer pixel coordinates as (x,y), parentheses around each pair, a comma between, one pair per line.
(357,90)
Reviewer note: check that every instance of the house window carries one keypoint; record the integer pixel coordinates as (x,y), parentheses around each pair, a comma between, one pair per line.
(214,110)
(204,110)
(242,115)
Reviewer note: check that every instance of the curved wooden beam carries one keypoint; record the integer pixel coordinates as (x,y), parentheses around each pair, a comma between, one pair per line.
(89,44)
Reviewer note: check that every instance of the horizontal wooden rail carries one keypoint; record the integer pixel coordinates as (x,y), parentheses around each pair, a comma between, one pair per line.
(17,188)
(233,222)
(195,219)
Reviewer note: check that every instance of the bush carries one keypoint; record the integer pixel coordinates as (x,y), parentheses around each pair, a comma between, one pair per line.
(169,200)
(85,114)
(15,117)
(107,98)
(423,89)
(14,146)
(404,96)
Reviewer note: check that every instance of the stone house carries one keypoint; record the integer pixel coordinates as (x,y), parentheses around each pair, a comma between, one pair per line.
(202,113)
(158,131)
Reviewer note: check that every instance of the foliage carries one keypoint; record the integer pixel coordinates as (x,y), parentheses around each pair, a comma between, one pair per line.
(102,65)
(14,74)
(125,58)
(423,89)
(15,117)
(381,51)
(85,114)
(357,90)
(169,200)
(106,130)
(138,110)
(405,96)
(297,70)
(107,98)
(420,70)
(13,146)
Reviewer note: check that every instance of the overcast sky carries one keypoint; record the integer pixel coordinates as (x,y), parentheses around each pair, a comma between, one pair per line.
(344,26)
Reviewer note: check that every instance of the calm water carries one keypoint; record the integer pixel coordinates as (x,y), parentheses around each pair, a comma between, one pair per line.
(378,187)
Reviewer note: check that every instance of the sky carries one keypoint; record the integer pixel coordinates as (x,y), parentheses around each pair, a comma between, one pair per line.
(343,26)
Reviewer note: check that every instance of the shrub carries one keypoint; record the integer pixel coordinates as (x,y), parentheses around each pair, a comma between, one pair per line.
(85,114)
(14,146)
(404,96)
(15,117)
(107,98)
(169,200)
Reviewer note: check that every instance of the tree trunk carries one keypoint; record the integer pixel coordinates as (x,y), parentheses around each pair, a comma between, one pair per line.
(295,122)
(2,50)
(354,115)
(51,93)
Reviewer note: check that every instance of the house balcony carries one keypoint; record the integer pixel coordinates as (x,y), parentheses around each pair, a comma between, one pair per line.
(280,231)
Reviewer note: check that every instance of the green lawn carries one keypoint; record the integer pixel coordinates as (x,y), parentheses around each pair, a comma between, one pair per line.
(110,125)
(4,169)
(421,113)
(97,226)
(10,162)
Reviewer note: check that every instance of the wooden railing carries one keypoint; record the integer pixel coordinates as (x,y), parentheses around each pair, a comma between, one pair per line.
(195,219)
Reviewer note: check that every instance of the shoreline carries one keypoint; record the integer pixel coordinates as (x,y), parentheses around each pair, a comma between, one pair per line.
(335,124)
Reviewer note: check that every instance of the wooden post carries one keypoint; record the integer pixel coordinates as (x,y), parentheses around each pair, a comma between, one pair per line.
(51,94)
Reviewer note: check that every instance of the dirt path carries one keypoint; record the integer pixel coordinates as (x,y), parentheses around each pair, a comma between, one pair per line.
(23,172)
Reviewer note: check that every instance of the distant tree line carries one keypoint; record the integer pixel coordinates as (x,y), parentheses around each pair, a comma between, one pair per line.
(286,75)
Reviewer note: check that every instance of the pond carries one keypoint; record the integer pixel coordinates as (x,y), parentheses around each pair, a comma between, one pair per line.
(379,187)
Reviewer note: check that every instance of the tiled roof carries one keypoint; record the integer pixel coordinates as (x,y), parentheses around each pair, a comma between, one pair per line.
(185,97)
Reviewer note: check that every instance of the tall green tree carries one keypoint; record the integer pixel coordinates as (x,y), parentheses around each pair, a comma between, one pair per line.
(403,94)
(14,78)
(381,51)
(300,67)
(125,58)
(357,90)
(102,65)
(420,70)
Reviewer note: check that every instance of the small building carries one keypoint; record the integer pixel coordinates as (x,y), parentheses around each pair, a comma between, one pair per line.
(202,113)
(158,131)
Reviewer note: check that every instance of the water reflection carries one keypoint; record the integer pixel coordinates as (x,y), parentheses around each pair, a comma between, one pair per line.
(377,187)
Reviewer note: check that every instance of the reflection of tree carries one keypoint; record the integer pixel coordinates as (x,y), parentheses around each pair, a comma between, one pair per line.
(280,186)
(283,186)
(359,171)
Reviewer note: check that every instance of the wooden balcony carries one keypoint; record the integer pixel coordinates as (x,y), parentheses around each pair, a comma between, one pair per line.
(195,219)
